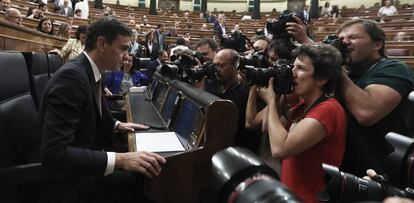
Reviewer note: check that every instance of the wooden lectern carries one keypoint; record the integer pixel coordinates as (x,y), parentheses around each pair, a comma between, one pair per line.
(204,123)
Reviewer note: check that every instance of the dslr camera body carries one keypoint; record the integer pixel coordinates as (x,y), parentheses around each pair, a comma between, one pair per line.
(281,72)
(278,28)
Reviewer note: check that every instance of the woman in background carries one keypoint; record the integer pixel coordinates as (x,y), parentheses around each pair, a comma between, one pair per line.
(45,26)
(74,46)
(64,31)
(119,82)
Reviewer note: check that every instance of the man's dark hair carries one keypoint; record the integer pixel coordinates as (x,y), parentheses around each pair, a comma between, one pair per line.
(282,48)
(371,27)
(107,27)
(160,52)
(160,25)
(180,41)
(41,4)
(327,64)
(81,30)
(211,43)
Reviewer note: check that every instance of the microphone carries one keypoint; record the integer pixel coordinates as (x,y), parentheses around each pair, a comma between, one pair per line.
(411,96)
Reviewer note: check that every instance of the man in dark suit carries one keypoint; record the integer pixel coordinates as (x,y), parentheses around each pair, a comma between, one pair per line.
(156,64)
(77,127)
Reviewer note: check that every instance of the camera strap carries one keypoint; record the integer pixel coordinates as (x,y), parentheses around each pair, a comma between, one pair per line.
(321,99)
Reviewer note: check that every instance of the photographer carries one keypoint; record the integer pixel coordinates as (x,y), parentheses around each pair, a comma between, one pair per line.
(208,48)
(375,94)
(230,88)
(311,132)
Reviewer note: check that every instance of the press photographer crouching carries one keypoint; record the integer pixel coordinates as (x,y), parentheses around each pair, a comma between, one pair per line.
(312,131)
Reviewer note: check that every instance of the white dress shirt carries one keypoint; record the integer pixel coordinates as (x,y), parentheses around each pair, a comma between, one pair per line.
(110,164)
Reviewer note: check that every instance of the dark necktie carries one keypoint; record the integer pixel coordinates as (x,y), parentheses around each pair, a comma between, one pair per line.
(99,95)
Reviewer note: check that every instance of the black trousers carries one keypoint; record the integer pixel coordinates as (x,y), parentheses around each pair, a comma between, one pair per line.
(121,186)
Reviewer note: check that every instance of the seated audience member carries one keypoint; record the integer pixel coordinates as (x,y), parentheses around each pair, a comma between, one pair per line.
(74,46)
(326,10)
(119,82)
(131,22)
(387,10)
(174,15)
(43,7)
(45,26)
(312,131)
(335,14)
(36,14)
(83,5)
(65,9)
(137,30)
(177,24)
(375,92)
(14,16)
(135,48)
(64,31)
(69,20)
(201,15)
(5,4)
(246,16)
(78,13)
(204,27)
(61,3)
(402,36)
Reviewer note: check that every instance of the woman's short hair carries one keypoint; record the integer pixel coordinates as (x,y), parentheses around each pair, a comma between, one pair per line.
(81,30)
(327,64)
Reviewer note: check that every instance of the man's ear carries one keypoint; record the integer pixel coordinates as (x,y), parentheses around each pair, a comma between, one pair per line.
(378,45)
(100,43)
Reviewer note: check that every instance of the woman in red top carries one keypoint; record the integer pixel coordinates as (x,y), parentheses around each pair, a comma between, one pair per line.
(313,131)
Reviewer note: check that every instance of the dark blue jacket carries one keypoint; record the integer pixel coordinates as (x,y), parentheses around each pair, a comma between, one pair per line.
(113,80)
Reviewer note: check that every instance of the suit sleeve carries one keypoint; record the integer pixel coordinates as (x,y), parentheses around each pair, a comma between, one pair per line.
(64,105)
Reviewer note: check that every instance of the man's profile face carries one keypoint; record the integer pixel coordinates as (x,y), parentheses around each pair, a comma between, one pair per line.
(207,52)
(225,68)
(360,45)
(113,53)
(260,45)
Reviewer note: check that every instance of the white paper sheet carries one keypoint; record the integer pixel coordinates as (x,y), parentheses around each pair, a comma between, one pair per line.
(158,142)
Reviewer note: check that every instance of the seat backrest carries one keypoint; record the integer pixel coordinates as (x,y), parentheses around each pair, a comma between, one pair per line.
(37,66)
(19,134)
(397,52)
(54,62)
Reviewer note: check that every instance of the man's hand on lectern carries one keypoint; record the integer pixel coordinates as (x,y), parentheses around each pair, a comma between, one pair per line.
(130,127)
(147,163)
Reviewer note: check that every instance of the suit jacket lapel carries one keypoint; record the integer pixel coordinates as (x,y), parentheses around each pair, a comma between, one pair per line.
(88,68)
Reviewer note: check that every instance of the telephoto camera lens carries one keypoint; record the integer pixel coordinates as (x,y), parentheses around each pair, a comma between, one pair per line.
(345,187)
(400,163)
(239,176)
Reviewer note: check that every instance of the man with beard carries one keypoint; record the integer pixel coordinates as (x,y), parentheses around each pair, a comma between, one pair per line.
(375,94)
